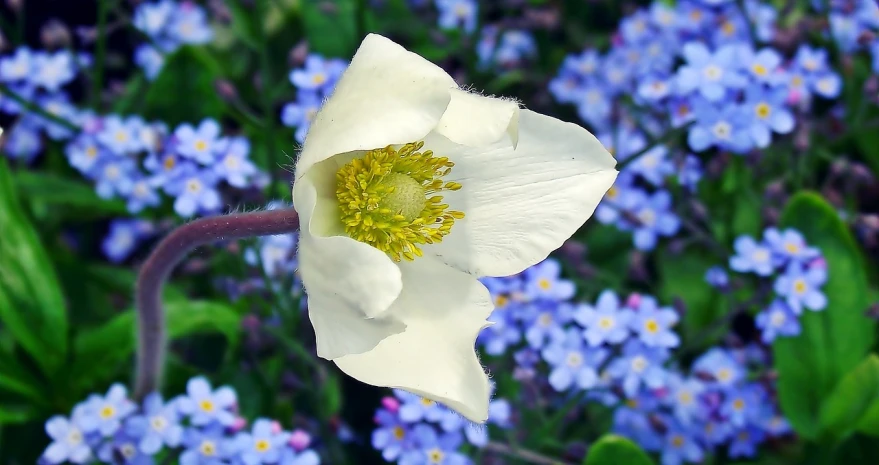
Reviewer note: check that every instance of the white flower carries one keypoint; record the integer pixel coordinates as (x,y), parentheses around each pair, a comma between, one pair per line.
(409,189)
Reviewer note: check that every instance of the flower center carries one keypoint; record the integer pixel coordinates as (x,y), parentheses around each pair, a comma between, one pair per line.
(728,28)
(208,448)
(128,450)
(318,78)
(121,136)
(427,402)
(724,374)
(721,130)
(435,456)
(738,404)
(800,286)
(574,359)
(544,284)
(169,163)
(206,406)
(651,326)
(791,247)
(759,69)
(639,364)
(383,198)
(612,193)
(74,437)
(605,322)
(107,412)
(201,145)
(262,445)
(712,72)
(777,319)
(501,301)
(193,185)
(91,152)
(399,432)
(685,398)
(158,423)
(762,109)
(677,441)
(545,319)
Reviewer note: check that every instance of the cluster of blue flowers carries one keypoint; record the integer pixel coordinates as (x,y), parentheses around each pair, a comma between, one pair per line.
(168,24)
(504,49)
(615,351)
(417,431)
(854,25)
(458,14)
(37,77)
(790,267)
(201,427)
(314,82)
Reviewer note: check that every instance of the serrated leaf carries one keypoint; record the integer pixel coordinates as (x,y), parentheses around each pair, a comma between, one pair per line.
(32,307)
(611,449)
(832,341)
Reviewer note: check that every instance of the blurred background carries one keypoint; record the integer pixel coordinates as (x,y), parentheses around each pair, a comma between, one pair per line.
(719,308)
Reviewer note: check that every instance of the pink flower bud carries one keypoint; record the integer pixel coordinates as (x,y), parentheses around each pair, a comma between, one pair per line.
(391,403)
(239,424)
(276,427)
(819,262)
(300,440)
(633,301)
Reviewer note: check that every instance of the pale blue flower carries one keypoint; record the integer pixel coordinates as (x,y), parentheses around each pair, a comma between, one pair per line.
(639,365)
(416,408)
(153,18)
(263,444)
(124,236)
(149,59)
(752,256)
(606,322)
(205,405)
(194,191)
(115,177)
(768,114)
(720,366)
(789,244)
(69,438)
(189,24)
(52,71)
(684,398)
(574,365)
(158,425)
(653,324)
(801,287)
(457,13)
(434,449)
(301,113)
(392,437)
(206,446)
(725,127)
(745,441)
(709,74)
(233,164)
(200,144)
(318,74)
(655,219)
(108,411)
(23,141)
(680,447)
(119,136)
(17,67)
(123,449)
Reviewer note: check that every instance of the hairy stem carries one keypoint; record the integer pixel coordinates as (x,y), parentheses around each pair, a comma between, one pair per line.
(171,251)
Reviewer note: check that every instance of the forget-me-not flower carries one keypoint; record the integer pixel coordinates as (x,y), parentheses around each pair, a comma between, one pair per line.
(777,320)
(233,164)
(655,219)
(801,287)
(108,411)
(653,324)
(199,144)
(157,425)
(606,321)
(768,114)
(69,438)
(639,365)
(263,444)
(194,191)
(206,405)
(573,363)
(205,446)
(752,256)
(709,74)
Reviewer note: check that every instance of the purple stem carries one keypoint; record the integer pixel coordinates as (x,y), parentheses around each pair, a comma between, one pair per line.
(171,251)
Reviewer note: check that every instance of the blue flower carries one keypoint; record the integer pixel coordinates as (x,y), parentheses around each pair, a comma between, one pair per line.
(752,257)
(301,113)
(777,320)
(205,405)
(725,127)
(762,66)
(574,365)
(290,456)
(653,165)
(434,449)
(719,366)
(152,18)
(716,276)
(123,449)
(594,104)
(655,219)
(690,173)
(318,75)
(115,177)
(118,135)
(17,67)
(262,445)
(199,144)
(653,324)
(158,425)
(392,437)
(51,71)
(23,141)
(189,25)
(585,65)
(639,365)
(233,166)
(543,282)
(515,46)
(613,204)
(24,90)
(763,16)
(802,287)
(416,408)
(545,323)
(715,431)
(789,244)
(631,419)
(149,59)
(58,105)
(165,167)
(606,322)
(143,194)
(69,442)
(654,89)
(680,447)
(684,398)
(123,237)
(457,13)
(844,29)
(503,333)
(709,74)
(745,441)
(205,446)
(195,191)
(110,410)
(275,254)
(769,114)
(743,404)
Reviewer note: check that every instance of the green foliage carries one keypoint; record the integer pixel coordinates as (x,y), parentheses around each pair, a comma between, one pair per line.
(100,352)
(184,91)
(32,306)
(340,17)
(832,341)
(843,410)
(51,189)
(616,450)
(682,276)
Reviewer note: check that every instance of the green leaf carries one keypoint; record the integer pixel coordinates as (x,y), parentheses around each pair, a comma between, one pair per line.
(331,27)
(32,306)
(832,341)
(100,352)
(37,186)
(682,276)
(611,449)
(183,92)
(841,412)
(16,379)
(13,414)
(869,423)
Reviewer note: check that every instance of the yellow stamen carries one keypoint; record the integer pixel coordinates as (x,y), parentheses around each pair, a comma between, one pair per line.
(388,199)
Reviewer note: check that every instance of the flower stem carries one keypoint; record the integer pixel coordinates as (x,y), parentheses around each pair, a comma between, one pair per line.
(268,116)
(522,454)
(100,53)
(171,251)
(34,108)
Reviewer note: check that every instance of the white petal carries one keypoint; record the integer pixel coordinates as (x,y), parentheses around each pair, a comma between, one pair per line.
(475,121)
(521,204)
(443,309)
(346,281)
(386,96)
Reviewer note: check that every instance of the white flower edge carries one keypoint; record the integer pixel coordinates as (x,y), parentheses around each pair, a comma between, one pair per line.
(530,181)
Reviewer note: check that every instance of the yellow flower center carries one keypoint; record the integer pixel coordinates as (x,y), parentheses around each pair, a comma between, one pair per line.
(544,284)
(724,374)
(107,411)
(386,199)
(435,456)
(791,247)
(208,448)
(677,441)
(612,193)
(427,402)
(158,423)
(685,398)
(728,28)
(169,163)
(201,145)
(206,406)
(762,109)
(631,403)
(399,432)
(261,445)
(574,359)
(128,451)
(651,325)
(74,437)
(121,136)
(91,151)
(605,322)
(800,286)
(501,301)
(759,70)
(318,79)
(738,404)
